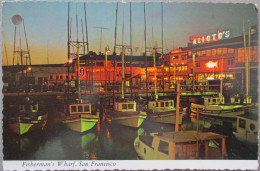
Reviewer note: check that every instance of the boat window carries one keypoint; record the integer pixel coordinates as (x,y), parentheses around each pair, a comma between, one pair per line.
(73,108)
(163,147)
(124,106)
(171,104)
(156,104)
(80,109)
(86,108)
(214,100)
(130,106)
(209,100)
(252,127)
(242,123)
(27,107)
(167,104)
(162,104)
(34,107)
(218,100)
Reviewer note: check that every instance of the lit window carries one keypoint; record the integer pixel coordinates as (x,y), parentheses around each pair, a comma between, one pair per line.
(214,52)
(208,53)
(198,65)
(219,51)
(231,50)
(224,50)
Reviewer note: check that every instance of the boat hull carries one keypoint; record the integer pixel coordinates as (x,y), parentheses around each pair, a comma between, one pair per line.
(165,117)
(21,128)
(219,111)
(82,123)
(130,119)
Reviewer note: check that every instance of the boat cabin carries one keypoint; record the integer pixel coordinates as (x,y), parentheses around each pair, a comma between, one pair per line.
(125,106)
(181,145)
(80,109)
(28,108)
(247,128)
(237,100)
(213,100)
(161,105)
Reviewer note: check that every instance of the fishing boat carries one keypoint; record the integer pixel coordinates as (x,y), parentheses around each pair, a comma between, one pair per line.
(28,118)
(181,145)
(163,111)
(80,115)
(247,128)
(125,113)
(216,107)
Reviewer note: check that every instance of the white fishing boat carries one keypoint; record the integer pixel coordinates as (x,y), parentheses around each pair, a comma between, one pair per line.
(216,107)
(247,128)
(125,113)
(28,118)
(80,117)
(181,145)
(163,111)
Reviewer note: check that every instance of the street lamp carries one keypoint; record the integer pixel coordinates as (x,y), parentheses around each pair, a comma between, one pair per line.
(106,51)
(211,64)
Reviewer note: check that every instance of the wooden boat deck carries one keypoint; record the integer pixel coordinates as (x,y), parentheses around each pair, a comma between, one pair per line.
(189,136)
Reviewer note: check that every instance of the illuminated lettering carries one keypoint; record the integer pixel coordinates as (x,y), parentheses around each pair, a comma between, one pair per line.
(199,40)
(208,38)
(220,35)
(227,34)
(212,37)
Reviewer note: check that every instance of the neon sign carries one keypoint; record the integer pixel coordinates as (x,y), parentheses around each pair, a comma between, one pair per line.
(210,38)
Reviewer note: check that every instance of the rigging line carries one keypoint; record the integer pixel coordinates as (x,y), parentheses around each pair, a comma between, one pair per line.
(83,37)
(116,27)
(86,23)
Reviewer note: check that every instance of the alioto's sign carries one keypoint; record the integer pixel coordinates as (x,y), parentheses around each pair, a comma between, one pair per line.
(210,38)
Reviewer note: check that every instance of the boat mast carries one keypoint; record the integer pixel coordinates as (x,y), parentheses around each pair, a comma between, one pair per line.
(114,74)
(155,71)
(146,72)
(131,49)
(162,48)
(123,57)
(77,45)
(177,108)
(246,60)
(85,9)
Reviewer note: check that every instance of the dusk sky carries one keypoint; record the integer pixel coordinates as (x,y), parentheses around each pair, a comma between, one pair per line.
(46,25)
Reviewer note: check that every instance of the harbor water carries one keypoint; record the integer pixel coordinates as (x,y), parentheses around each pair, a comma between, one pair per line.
(103,142)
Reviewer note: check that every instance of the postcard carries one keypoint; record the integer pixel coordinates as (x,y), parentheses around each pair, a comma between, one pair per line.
(129,85)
